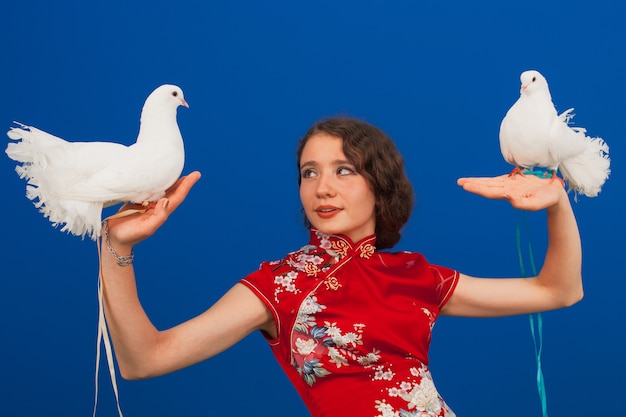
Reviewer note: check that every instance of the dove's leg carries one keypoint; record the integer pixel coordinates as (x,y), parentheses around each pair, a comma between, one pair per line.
(516,171)
(556,177)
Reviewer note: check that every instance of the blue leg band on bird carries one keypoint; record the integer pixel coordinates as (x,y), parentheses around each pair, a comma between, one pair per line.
(539,172)
(536,329)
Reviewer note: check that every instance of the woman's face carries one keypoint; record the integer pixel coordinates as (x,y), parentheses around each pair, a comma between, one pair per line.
(336,199)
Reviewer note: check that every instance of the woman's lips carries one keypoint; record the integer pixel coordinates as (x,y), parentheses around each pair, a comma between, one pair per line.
(326,212)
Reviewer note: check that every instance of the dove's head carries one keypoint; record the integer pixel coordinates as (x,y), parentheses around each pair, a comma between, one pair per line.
(166,96)
(533,82)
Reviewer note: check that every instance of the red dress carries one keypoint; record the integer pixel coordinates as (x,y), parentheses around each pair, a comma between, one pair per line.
(354,326)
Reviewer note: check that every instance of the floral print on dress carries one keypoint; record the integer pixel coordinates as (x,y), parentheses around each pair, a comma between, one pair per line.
(419,392)
(320,347)
(308,261)
(315,347)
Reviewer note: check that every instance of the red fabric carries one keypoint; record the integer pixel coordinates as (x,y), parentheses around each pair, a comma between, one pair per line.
(354,326)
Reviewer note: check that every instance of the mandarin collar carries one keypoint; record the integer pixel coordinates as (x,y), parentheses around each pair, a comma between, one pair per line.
(342,245)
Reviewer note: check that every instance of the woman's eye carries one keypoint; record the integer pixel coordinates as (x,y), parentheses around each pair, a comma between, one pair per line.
(307,173)
(345,171)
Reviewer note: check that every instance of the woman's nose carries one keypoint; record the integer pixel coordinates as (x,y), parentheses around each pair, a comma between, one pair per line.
(325,187)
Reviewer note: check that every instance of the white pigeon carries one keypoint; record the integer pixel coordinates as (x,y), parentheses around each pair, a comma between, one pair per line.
(533,135)
(71,182)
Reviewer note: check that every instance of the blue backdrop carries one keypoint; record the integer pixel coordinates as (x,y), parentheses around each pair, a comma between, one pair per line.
(437,76)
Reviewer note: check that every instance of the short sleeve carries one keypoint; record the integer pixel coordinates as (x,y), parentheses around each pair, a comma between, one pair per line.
(261,283)
(445,283)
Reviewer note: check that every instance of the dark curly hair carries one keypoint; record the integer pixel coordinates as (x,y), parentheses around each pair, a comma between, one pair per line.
(376,158)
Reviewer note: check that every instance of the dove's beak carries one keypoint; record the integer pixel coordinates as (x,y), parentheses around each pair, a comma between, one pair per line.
(184,103)
(521,90)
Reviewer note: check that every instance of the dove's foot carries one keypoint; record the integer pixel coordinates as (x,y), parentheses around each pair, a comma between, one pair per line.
(516,171)
(556,177)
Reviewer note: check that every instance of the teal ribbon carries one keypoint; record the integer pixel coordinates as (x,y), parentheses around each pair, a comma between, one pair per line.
(539,172)
(536,329)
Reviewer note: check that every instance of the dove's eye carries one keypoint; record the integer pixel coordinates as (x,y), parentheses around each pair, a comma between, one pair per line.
(534,79)
(175,93)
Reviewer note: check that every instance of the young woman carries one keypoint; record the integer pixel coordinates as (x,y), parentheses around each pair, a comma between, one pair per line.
(350,324)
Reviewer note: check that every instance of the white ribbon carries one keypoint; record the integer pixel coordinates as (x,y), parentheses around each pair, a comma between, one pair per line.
(103,336)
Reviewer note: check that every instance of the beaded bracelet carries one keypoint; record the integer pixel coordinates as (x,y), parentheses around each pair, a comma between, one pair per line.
(121,260)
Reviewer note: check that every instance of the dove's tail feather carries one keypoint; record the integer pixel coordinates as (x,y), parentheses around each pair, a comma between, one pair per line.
(44,189)
(587,171)
(79,218)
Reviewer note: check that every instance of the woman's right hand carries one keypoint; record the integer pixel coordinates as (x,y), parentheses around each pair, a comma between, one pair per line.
(125,231)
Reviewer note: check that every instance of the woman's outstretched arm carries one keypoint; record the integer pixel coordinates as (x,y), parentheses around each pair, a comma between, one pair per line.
(142,350)
(558,284)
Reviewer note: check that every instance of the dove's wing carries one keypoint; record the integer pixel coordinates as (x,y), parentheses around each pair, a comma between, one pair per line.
(56,164)
(565,141)
(140,173)
(505,140)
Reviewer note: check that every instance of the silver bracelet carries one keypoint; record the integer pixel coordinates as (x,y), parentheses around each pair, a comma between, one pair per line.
(121,260)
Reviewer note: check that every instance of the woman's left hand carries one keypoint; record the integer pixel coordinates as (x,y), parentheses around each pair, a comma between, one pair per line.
(526,192)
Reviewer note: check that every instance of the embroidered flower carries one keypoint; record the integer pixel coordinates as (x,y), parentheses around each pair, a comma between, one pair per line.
(324,242)
(333,330)
(367,251)
(405,386)
(385,409)
(311,269)
(332,283)
(336,357)
(424,397)
(285,282)
(341,247)
(311,306)
(395,392)
(370,358)
(305,346)
(352,338)
(382,374)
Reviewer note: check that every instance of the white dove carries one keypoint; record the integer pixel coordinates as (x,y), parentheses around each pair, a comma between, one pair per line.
(533,135)
(71,182)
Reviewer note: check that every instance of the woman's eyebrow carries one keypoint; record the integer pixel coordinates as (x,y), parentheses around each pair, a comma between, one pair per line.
(335,162)
(307,164)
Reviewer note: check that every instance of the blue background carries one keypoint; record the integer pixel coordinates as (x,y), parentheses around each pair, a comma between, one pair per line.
(436,76)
